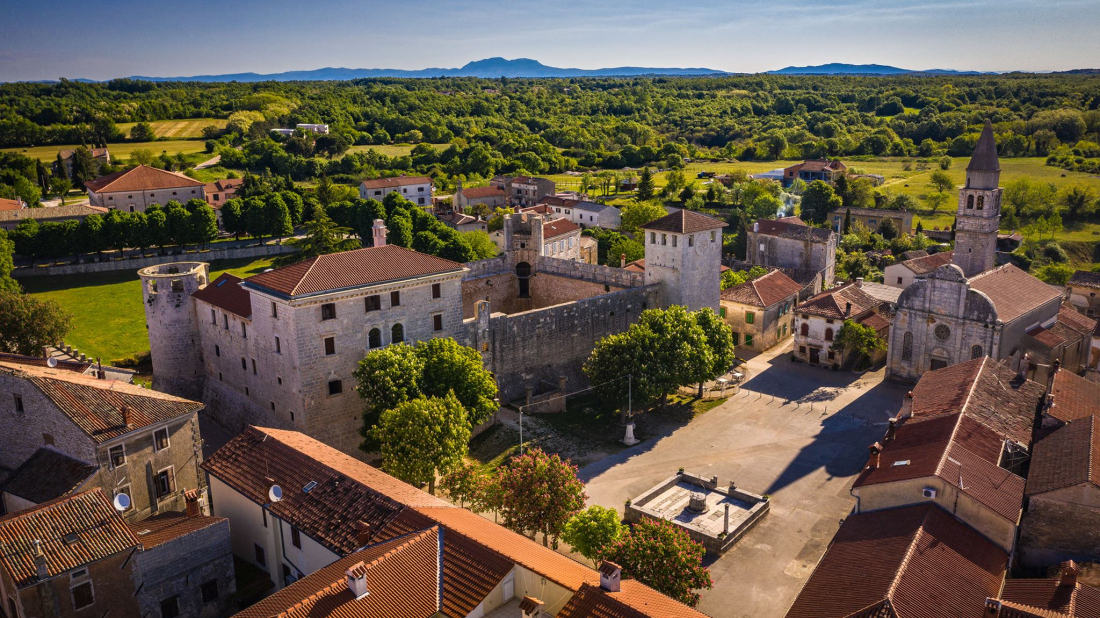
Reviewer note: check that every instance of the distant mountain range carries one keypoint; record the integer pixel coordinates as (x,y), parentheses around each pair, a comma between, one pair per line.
(864,69)
(488,68)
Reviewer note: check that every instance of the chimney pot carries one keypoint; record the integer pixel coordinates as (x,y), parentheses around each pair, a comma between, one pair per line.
(191,497)
(848,309)
(1067,573)
(378,231)
(992,607)
(357,579)
(622,260)
(906,406)
(859,282)
(41,570)
(876,450)
(610,576)
(892,429)
(127,416)
(362,533)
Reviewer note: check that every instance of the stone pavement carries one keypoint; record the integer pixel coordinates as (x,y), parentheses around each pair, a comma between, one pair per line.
(794,432)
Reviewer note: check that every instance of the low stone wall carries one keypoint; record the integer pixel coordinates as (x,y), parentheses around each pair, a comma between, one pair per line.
(591,272)
(136,263)
(483,268)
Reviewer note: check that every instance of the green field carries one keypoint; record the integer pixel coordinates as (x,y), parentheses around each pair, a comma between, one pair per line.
(190,128)
(393,150)
(108,315)
(49,153)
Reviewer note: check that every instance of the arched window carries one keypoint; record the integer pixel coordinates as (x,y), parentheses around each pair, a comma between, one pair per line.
(805,330)
(907,347)
(981,202)
(975,351)
(828,334)
(374,338)
(397,334)
(970,201)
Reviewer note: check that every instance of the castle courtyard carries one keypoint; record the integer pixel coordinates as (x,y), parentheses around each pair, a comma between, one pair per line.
(796,433)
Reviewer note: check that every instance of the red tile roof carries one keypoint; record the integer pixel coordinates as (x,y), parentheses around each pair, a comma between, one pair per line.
(1013,291)
(1074,600)
(926,264)
(351,269)
(765,291)
(820,165)
(919,560)
(1074,397)
(792,227)
(141,178)
(226,293)
(402,581)
(225,184)
(6,204)
(633,601)
(876,321)
(833,302)
(637,266)
(398,181)
(1067,457)
(96,406)
(1069,327)
(685,221)
(73,532)
(481,192)
(48,474)
(558,227)
(38,361)
(172,525)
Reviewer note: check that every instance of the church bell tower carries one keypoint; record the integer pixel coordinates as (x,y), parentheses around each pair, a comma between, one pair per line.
(979,213)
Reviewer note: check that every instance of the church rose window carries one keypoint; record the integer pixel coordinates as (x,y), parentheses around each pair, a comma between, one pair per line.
(942,332)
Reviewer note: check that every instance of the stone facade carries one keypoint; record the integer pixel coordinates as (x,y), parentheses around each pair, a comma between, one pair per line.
(770,326)
(172,325)
(808,250)
(871,218)
(1061,525)
(686,266)
(139,200)
(112,592)
(182,567)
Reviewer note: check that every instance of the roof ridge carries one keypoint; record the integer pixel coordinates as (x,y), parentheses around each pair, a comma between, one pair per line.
(1092,449)
(962,413)
(312,262)
(908,554)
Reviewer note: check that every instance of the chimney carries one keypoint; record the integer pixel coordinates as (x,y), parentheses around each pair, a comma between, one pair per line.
(1025,366)
(992,607)
(876,450)
(379,233)
(127,416)
(1050,378)
(906,407)
(40,561)
(357,580)
(610,576)
(362,533)
(756,226)
(848,308)
(530,607)
(859,282)
(99,372)
(622,260)
(1067,573)
(891,429)
(191,496)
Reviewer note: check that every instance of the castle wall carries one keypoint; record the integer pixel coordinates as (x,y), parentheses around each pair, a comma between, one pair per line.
(172,325)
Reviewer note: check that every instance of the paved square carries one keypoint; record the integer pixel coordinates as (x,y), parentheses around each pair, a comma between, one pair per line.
(794,432)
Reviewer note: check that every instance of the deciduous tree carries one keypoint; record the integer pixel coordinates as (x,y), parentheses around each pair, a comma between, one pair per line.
(423,438)
(663,557)
(540,493)
(593,531)
(28,324)
(322,237)
(818,201)
(637,214)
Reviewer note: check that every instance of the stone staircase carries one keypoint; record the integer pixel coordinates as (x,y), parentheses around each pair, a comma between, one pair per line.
(851,362)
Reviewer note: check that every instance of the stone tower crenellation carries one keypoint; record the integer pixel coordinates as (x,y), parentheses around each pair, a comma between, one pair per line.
(979,211)
(173,326)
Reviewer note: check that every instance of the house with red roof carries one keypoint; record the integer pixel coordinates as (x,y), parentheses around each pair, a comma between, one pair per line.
(417,189)
(759,310)
(818,320)
(137,188)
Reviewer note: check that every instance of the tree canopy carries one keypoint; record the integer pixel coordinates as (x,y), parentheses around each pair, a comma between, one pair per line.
(423,438)
(663,557)
(27,324)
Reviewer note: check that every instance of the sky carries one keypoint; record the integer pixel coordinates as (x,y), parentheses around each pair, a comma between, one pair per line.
(102,39)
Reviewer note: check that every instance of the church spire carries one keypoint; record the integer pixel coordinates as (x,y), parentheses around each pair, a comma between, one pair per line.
(985,158)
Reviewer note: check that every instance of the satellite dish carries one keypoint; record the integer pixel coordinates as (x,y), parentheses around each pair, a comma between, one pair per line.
(275,493)
(122,502)
(51,362)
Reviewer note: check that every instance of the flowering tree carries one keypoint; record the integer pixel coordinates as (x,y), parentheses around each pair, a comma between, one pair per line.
(663,557)
(464,485)
(593,531)
(423,437)
(539,493)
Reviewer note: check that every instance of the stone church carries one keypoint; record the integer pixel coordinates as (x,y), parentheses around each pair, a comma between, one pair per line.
(971,308)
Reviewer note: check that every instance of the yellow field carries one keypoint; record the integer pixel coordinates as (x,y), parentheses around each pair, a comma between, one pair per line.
(49,153)
(177,129)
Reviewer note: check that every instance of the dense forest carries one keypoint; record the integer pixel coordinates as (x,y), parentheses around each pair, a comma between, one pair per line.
(553,125)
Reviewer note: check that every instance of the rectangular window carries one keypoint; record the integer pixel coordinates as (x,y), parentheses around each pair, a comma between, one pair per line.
(170,607)
(691,241)
(225,321)
(118,456)
(373,303)
(653,238)
(164,483)
(213,317)
(261,556)
(674,237)
(899,280)
(19,409)
(750,317)
(330,346)
(664,239)
(748,339)
(437,290)
(437,322)
(253,366)
(83,595)
(712,235)
(217,350)
(275,315)
(278,345)
(395,299)
(160,439)
(722,312)
(335,387)
(295,537)
(328,311)
(736,338)
(210,591)
(244,364)
(244,330)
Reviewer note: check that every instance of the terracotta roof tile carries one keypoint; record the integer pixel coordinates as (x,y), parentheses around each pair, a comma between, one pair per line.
(6,204)
(350,269)
(763,291)
(96,406)
(48,474)
(821,165)
(919,559)
(1075,600)
(397,181)
(926,264)
(1069,456)
(633,601)
(226,293)
(792,227)
(73,531)
(876,321)
(165,527)
(38,361)
(685,221)
(558,227)
(402,581)
(70,211)
(141,178)
(1085,279)
(832,303)
(225,184)
(1074,397)
(482,192)
(1013,291)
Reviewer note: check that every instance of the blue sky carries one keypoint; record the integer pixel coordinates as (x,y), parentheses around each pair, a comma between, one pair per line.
(100,39)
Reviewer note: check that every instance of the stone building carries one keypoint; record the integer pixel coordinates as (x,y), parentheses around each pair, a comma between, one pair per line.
(65,431)
(818,320)
(970,308)
(464,223)
(903,274)
(345,539)
(814,169)
(790,243)
(136,189)
(583,212)
(472,199)
(1066,342)
(561,239)
(1083,288)
(871,218)
(524,190)
(220,191)
(416,189)
(683,255)
(10,219)
(759,311)
(102,156)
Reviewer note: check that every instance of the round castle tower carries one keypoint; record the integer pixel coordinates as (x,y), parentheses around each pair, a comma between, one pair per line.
(173,327)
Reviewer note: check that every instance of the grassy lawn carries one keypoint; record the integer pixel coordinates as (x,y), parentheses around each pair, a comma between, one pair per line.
(190,128)
(49,153)
(393,150)
(108,315)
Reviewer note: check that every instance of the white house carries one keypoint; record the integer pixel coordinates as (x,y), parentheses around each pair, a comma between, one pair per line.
(584,213)
(416,189)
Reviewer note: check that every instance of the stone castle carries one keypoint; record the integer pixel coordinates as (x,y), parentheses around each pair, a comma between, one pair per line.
(280,348)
